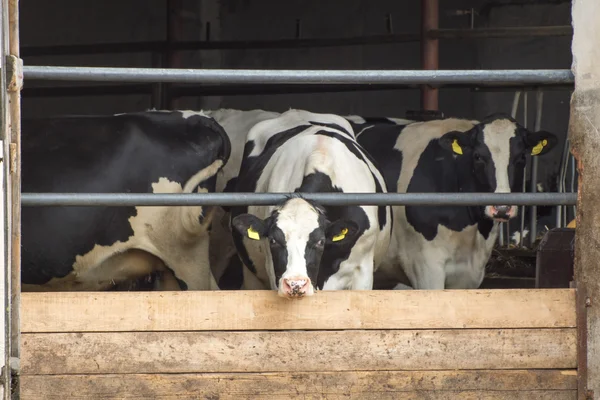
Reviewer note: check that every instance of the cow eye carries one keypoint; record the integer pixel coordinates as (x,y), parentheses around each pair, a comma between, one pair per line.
(273,241)
(477,157)
(320,243)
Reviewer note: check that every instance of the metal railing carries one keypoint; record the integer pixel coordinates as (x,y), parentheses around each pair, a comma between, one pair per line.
(331,199)
(313,77)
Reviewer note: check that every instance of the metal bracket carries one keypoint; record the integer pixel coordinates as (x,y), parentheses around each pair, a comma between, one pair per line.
(582,304)
(14,73)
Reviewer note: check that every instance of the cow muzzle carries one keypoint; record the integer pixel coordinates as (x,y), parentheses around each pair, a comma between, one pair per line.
(295,287)
(501,213)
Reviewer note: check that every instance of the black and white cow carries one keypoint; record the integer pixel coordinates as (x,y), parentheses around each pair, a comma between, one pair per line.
(298,246)
(449,246)
(94,248)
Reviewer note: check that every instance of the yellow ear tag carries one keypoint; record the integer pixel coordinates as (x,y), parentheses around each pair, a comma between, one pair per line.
(456,147)
(539,147)
(340,236)
(252,234)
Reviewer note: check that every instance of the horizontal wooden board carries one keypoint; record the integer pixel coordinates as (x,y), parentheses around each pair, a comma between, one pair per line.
(499,384)
(190,352)
(264,310)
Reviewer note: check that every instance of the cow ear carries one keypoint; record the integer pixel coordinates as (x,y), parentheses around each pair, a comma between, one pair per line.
(250,226)
(341,231)
(455,141)
(540,142)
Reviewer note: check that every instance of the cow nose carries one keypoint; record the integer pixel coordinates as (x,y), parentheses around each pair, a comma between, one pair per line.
(501,211)
(294,287)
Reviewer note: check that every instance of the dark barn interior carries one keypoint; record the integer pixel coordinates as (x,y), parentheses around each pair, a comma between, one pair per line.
(300,35)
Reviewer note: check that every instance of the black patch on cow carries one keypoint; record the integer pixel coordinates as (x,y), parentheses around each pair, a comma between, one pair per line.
(233,276)
(332,126)
(437,171)
(317,182)
(358,151)
(379,142)
(314,251)
(103,154)
(336,253)
(279,254)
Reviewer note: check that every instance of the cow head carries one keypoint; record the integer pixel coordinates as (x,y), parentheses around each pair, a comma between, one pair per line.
(296,234)
(495,151)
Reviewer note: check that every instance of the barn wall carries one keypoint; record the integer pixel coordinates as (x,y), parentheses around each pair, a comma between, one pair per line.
(71,22)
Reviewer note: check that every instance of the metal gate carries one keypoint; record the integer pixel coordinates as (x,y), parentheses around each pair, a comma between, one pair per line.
(12,199)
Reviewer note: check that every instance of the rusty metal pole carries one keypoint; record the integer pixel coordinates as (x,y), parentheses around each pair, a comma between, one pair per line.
(429,51)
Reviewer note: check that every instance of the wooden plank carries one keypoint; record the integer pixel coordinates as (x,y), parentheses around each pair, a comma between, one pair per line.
(280,385)
(191,352)
(264,310)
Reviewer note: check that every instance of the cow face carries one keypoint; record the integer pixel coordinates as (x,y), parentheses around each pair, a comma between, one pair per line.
(495,151)
(296,234)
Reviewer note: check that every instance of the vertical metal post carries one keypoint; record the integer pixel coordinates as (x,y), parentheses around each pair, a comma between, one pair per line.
(524,187)
(539,100)
(5,277)
(429,51)
(14,97)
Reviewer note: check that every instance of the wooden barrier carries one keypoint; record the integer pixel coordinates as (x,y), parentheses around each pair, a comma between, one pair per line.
(492,344)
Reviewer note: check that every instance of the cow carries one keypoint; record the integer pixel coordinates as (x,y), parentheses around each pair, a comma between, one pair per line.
(96,248)
(448,246)
(299,246)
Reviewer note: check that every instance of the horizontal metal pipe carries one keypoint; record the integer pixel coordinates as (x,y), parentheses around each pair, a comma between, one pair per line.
(162,46)
(247,76)
(500,33)
(240,199)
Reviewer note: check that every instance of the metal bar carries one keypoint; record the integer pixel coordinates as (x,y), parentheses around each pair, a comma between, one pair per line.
(240,199)
(368,40)
(7,199)
(14,97)
(501,33)
(582,302)
(247,76)
(429,51)
(524,187)
(539,103)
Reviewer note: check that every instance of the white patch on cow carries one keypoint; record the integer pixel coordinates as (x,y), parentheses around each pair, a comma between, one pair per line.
(357,119)
(162,236)
(185,114)
(452,259)
(401,121)
(284,172)
(297,219)
(516,237)
(496,136)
